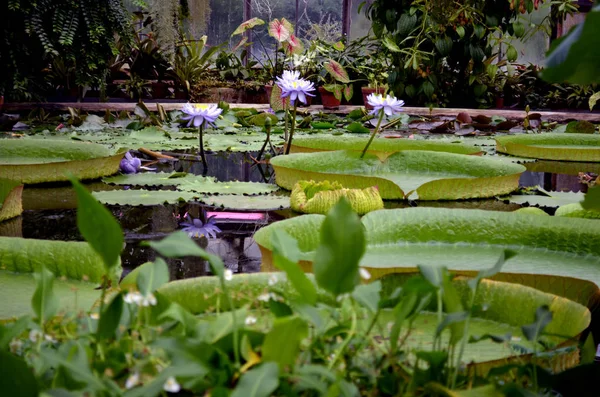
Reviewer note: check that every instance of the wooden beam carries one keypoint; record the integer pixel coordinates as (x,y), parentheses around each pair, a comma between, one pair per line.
(414,111)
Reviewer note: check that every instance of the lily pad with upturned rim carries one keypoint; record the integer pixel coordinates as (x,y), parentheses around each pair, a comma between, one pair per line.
(248,203)
(32,161)
(409,174)
(144,197)
(565,147)
(547,200)
(11,203)
(556,255)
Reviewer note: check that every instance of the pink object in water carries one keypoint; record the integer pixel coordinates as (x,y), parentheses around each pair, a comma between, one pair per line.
(242,216)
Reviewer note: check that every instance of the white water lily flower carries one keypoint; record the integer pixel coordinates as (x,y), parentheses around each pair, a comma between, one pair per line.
(250,320)
(364,273)
(228,275)
(390,105)
(294,87)
(200,115)
(171,385)
(133,380)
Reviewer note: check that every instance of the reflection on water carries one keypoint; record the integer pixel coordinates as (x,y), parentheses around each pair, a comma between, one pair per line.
(50,212)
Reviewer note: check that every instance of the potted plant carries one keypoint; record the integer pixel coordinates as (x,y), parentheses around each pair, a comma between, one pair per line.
(332,78)
(373,68)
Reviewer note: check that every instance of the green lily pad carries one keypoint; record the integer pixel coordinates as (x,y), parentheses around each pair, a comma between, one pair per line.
(71,259)
(143,197)
(380,146)
(202,295)
(550,200)
(46,160)
(156,179)
(425,175)
(11,204)
(248,203)
(466,241)
(233,187)
(17,289)
(567,147)
(575,210)
(563,167)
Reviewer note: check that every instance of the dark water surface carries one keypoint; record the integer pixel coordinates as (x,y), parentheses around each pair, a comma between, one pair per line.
(49,213)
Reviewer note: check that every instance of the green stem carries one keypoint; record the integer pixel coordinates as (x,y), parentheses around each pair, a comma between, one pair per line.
(285,120)
(292,128)
(201,144)
(375,132)
(463,342)
(350,335)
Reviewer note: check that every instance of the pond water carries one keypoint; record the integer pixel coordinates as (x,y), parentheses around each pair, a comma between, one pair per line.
(49,213)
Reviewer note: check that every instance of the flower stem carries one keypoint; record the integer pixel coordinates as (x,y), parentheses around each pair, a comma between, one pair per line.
(292,128)
(375,132)
(201,144)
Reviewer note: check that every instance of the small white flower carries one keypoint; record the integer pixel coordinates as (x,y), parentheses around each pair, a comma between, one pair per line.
(15,345)
(171,385)
(35,335)
(273,280)
(133,380)
(95,316)
(264,297)
(342,297)
(133,298)
(250,320)
(150,300)
(515,339)
(228,275)
(49,338)
(364,273)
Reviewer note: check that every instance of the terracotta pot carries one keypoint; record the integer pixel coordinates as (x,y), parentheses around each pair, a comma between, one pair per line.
(499,102)
(366,91)
(328,100)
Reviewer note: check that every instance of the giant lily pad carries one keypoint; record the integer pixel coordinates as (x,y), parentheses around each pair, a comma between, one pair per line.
(17,289)
(380,146)
(155,179)
(248,203)
(567,147)
(232,187)
(203,295)
(71,259)
(563,167)
(557,255)
(10,199)
(546,199)
(411,174)
(142,197)
(47,160)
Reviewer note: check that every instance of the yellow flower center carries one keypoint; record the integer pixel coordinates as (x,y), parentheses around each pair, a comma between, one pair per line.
(295,84)
(200,106)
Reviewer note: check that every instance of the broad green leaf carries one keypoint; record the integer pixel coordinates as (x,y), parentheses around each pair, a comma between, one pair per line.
(11,204)
(258,382)
(368,295)
(50,160)
(576,210)
(466,242)
(285,256)
(390,44)
(98,227)
(156,179)
(342,246)
(573,58)
(413,174)
(232,187)
(567,147)
(110,318)
(73,358)
(337,71)
(379,146)
(151,276)
(282,342)
(44,302)
(13,329)
(355,127)
(249,24)
(543,317)
(142,197)
(592,199)
(17,378)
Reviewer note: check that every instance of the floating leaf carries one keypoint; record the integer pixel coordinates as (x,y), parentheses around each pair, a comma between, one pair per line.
(155,179)
(50,160)
(248,203)
(234,187)
(11,204)
(415,174)
(549,200)
(568,147)
(142,197)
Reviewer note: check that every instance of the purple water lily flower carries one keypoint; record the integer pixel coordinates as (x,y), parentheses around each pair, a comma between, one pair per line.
(130,164)
(390,105)
(294,87)
(197,228)
(200,115)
